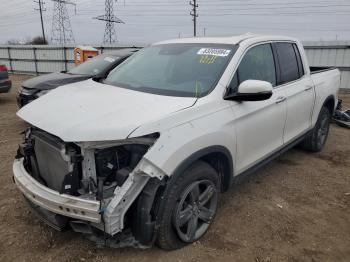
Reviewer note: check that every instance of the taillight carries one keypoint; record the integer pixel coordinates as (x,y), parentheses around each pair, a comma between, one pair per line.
(3,68)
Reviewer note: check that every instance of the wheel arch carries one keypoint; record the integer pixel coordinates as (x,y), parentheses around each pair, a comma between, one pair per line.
(219,157)
(148,208)
(330,104)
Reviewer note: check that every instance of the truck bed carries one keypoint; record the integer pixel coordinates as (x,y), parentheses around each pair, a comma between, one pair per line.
(316,70)
(326,82)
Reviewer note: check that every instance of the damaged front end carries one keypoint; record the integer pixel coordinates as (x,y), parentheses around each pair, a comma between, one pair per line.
(96,188)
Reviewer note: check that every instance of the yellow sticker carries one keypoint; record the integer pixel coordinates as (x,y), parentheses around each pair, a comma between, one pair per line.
(207,59)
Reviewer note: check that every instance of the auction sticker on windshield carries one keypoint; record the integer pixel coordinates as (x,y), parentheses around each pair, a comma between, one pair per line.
(214,52)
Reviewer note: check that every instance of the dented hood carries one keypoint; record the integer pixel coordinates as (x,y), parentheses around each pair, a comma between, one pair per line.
(91,111)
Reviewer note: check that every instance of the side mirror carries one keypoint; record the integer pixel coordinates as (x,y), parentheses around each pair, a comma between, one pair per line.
(252,90)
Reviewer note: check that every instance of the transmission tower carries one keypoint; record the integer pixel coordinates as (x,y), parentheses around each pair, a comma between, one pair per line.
(110,35)
(61,29)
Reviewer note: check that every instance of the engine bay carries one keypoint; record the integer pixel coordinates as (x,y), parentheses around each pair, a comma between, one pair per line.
(70,169)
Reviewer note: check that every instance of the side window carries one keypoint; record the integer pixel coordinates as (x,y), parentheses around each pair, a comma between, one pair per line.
(257,64)
(234,84)
(288,62)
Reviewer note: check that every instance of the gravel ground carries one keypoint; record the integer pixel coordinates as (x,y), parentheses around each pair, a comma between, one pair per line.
(295,209)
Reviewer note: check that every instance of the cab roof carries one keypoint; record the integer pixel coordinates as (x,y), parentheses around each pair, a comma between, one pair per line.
(233,40)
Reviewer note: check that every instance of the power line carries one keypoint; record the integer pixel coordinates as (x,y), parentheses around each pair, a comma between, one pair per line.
(41,10)
(163,12)
(211,13)
(340,12)
(286,28)
(110,35)
(234,4)
(62,32)
(275,7)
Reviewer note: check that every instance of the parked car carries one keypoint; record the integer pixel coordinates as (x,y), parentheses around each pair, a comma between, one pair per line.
(5,82)
(144,155)
(98,66)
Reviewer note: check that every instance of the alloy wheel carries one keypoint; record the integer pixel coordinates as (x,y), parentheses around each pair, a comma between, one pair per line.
(195,210)
(323,130)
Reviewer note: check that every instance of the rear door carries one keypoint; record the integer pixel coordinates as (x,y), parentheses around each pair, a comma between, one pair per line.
(259,124)
(298,87)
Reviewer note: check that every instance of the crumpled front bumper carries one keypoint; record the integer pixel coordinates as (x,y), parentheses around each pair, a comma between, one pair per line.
(66,205)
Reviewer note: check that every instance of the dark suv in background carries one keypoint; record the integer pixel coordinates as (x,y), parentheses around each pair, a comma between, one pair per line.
(98,67)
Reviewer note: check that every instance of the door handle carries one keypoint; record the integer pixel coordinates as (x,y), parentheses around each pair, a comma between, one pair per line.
(308,88)
(280,99)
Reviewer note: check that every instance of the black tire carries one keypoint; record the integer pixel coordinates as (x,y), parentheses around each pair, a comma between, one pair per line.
(179,201)
(316,140)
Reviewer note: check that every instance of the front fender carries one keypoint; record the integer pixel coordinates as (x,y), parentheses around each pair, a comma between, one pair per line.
(179,143)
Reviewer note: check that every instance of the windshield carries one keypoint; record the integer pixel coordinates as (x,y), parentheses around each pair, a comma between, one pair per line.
(190,70)
(94,66)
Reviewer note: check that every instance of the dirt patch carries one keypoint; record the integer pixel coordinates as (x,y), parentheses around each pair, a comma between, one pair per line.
(295,209)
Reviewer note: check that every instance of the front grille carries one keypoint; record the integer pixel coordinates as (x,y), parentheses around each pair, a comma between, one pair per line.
(22,100)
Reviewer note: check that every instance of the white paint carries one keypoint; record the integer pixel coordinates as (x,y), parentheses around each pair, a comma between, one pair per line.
(91,111)
(49,199)
(251,131)
(254,86)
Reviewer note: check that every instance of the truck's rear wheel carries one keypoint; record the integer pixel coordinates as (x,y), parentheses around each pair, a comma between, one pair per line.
(316,140)
(189,206)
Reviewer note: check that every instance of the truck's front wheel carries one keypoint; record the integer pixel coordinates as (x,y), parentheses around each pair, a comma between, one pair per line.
(189,206)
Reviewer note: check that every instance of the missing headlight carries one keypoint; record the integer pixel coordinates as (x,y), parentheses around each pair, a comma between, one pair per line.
(113,166)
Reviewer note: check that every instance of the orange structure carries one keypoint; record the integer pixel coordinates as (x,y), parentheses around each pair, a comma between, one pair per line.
(83,53)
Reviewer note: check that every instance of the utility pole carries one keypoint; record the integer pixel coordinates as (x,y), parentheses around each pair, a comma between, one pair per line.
(62,32)
(110,35)
(41,10)
(194,15)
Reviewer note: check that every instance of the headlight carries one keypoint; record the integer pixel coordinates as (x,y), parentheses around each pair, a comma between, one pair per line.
(42,92)
(114,161)
(27,91)
(113,166)
(109,162)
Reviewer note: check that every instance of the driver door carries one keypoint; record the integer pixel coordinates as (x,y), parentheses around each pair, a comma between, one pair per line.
(259,124)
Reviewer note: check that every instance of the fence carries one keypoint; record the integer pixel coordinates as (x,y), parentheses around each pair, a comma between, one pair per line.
(36,59)
(31,59)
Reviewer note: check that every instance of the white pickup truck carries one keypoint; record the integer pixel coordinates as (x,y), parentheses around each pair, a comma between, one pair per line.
(142,156)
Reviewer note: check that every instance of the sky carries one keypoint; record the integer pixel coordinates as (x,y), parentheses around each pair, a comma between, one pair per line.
(155,20)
